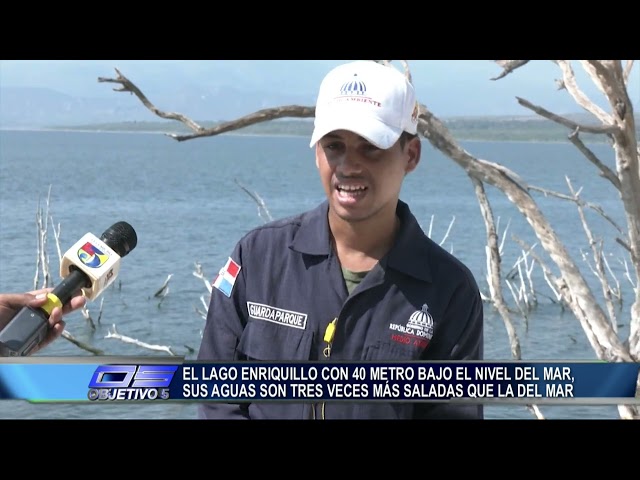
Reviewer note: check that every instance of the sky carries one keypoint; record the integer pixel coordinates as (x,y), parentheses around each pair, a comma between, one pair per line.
(446,87)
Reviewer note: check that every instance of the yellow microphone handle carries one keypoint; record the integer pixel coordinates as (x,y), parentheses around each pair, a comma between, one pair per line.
(52,302)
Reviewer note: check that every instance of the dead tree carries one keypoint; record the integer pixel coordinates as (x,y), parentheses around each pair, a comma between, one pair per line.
(569,283)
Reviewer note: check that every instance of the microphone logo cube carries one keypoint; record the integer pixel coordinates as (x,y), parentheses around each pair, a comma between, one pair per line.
(92,256)
(97,260)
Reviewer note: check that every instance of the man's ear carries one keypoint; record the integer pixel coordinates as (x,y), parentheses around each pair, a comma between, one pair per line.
(413,149)
(317,146)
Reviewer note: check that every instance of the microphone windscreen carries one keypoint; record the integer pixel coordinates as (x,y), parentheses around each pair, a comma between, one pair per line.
(121,237)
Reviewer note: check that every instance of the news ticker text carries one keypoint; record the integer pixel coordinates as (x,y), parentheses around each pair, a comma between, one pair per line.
(159,380)
(366,382)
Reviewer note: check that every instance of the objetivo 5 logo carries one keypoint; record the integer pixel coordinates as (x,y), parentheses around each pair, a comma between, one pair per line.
(131,382)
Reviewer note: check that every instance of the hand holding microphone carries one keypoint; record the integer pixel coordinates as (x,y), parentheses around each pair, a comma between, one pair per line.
(11,303)
(90,266)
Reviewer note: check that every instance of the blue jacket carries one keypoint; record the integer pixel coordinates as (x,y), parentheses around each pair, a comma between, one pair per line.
(289,265)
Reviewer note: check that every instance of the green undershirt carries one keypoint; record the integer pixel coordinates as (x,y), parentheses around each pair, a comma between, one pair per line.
(352,279)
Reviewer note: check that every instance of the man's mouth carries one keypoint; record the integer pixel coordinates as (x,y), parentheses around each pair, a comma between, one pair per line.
(350,192)
(351,189)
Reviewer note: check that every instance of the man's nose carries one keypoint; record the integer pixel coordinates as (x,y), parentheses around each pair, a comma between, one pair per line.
(349,163)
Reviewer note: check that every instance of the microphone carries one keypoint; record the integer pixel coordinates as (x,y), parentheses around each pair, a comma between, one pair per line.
(90,265)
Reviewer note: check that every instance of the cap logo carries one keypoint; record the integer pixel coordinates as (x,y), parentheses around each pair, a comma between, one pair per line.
(355,91)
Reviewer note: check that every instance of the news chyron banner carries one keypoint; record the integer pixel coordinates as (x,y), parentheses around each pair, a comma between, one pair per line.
(153,379)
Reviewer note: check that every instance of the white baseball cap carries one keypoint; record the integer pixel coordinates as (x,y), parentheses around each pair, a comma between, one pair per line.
(368,98)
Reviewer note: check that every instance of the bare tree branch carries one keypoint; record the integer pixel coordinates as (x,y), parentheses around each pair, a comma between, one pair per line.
(493,262)
(556,284)
(578,95)
(597,256)
(617,292)
(164,289)
(596,208)
(56,236)
(128,86)
(609,76)
(565,121)
(605,171)
(263,211)
(627,275)
(258,117)
(159,348)
(627,71)
(509,66)
(200,132)
(199,273)
(87,316)
(446,234)
(67,336)
(591,69)
(42,223)
(522,258)
(494,277)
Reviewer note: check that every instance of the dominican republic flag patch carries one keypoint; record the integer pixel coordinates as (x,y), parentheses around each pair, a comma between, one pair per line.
(227,277)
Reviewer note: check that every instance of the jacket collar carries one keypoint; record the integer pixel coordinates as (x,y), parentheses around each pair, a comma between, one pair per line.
(314,238)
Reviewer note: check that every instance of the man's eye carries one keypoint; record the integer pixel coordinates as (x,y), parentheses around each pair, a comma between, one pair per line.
(332,146)
(370,149)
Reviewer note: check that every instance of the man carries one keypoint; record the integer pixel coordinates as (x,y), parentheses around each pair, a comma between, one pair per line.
(12,303)
(356,277)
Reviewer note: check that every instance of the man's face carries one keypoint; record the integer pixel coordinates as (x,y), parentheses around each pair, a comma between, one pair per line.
(361,180)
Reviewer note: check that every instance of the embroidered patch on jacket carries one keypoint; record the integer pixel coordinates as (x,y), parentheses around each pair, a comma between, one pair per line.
(280,316)
(227,276)
(418,330)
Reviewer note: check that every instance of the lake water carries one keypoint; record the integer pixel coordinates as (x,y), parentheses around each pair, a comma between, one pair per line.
(183,202)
